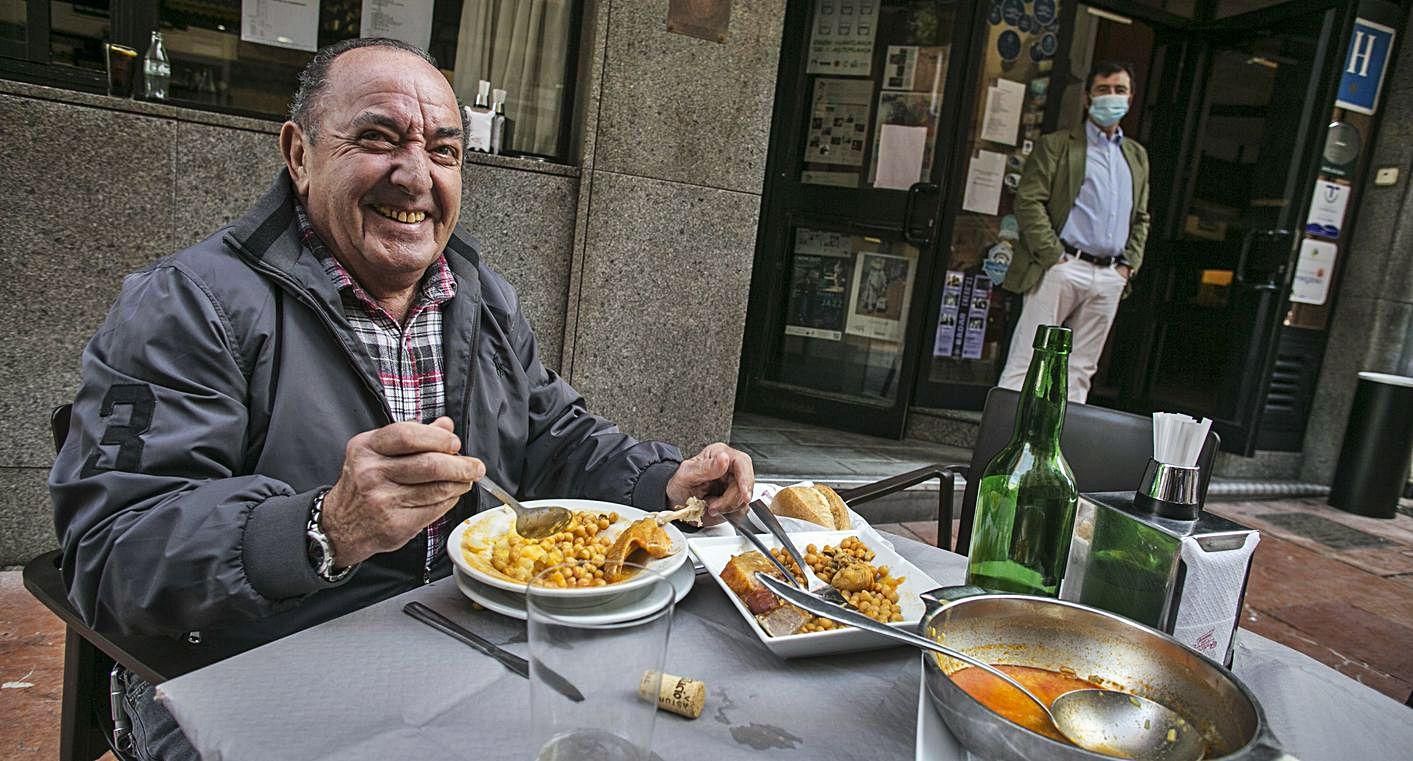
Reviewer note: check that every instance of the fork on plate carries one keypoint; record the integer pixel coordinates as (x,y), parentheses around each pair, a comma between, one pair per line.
(813,584)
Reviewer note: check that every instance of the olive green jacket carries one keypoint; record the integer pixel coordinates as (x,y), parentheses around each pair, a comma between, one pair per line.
(1049,184)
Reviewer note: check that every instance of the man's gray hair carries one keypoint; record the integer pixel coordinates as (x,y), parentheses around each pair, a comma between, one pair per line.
(314,78)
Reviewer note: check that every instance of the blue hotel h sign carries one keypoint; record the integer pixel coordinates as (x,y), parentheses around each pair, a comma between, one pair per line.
(1364,66)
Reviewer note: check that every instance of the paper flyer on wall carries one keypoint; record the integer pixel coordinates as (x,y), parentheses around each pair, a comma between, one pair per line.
(1004,102)
(984,177)
(1313,271)
(963,311)
(290,24)
(841,41)
(978,313)
(839,122)
(878,302)
(899,161)
(819,284)
(919,69)
(947,319)
(900,67)
(407,20)
(1326,217)
(902,114)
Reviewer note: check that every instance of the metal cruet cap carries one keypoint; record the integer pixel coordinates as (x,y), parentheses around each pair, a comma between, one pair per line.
(1053,338)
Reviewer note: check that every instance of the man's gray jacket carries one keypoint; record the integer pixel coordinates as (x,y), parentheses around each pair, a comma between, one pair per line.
(217,400)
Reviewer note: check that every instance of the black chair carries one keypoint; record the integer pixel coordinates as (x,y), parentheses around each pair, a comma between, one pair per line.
(87,721)
(946,474)
(1108,450)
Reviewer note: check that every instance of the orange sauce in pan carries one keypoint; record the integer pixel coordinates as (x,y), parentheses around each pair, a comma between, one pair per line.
(1006,701)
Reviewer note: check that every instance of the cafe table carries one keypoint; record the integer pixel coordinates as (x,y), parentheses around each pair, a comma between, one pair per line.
(376,684)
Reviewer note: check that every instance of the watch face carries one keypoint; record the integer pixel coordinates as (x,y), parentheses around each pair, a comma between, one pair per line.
(1341,147)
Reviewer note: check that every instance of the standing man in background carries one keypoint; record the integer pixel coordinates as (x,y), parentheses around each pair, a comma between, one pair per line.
(1082,205)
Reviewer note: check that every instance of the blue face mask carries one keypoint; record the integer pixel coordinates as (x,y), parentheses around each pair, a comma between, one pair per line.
(1107,110)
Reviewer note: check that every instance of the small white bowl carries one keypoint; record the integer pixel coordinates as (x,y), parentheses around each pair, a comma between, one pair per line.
(485,527)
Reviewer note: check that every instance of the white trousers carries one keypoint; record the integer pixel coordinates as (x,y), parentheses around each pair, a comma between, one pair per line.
(1080,296)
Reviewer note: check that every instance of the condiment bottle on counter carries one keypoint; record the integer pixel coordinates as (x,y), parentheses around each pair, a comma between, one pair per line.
(500,123)
(156,69)
(478,120)
(1026,500)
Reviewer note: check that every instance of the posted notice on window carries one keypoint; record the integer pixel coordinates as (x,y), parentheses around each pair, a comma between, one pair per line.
(900,156)
(841,40)
(1313,270)
(882,288)
(1004,102)
(984,177)
(819,284)
(1326,218)
(407,20)
(290,24)
(838,130)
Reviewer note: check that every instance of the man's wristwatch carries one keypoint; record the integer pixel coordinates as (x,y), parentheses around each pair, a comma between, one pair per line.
(321,552)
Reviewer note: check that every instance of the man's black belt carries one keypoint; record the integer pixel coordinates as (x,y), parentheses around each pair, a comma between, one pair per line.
(1098,261)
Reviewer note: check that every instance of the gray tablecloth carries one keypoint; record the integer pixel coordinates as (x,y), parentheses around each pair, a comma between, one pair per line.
(378,685)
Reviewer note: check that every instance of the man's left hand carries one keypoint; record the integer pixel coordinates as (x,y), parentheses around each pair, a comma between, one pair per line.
(1124,270)
(722,476)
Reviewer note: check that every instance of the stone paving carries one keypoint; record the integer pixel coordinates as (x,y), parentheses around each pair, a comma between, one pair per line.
(1335,586)
(784,449)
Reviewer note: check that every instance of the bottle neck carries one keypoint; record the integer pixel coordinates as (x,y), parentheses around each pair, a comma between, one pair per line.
(1041,413)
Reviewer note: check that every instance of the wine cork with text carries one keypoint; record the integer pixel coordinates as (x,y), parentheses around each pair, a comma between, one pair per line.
(678,694)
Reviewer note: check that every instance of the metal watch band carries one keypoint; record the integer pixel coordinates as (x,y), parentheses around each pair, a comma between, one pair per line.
(324,563)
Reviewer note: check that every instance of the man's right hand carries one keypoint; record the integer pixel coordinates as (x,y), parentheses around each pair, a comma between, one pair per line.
(395,481)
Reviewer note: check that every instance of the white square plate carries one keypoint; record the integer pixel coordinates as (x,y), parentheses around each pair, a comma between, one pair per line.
(716,552)
(934,741)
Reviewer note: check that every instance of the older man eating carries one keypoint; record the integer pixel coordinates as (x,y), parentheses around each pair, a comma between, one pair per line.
(281,423)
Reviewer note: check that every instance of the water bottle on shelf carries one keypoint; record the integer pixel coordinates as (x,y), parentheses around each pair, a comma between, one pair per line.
(156,68)
(1026,501)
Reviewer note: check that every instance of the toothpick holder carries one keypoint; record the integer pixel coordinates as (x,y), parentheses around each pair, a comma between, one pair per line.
(1170,491)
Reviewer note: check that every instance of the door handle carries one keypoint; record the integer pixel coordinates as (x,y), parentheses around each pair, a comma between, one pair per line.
(1244,257)
(910,206)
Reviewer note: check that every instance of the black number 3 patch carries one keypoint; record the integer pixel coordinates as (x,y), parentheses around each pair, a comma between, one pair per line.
(139,400)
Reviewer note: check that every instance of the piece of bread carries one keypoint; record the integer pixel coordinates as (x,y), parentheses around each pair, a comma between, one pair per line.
(816,504)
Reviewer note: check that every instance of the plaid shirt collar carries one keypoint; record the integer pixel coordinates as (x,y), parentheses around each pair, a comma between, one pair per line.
(437,286)
(406,355)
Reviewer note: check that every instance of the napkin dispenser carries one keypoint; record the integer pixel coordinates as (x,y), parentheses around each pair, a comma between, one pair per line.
(1185,577)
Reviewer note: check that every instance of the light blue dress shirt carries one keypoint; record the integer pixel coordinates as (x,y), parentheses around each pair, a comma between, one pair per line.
(1098,222)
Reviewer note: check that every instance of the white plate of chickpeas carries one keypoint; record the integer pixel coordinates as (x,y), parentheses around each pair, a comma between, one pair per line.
(486,548)
(891,593)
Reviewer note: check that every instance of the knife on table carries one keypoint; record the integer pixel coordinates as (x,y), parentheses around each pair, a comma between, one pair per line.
(508,659)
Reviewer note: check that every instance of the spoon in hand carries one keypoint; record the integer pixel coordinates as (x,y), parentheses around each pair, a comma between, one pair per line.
(530,522)
(1107,722)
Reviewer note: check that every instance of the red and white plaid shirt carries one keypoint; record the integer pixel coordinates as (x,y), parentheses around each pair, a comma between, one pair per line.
(408,356)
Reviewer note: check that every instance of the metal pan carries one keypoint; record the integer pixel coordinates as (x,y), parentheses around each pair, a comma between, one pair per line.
(1093,644)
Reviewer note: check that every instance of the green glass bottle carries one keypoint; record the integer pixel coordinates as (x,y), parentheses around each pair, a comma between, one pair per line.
(1026,500)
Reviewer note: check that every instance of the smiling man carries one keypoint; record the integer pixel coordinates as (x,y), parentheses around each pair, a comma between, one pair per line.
(281,423)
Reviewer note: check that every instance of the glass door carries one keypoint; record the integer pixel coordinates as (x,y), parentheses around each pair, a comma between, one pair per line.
(862,129)
(1029,80)
(1212,293)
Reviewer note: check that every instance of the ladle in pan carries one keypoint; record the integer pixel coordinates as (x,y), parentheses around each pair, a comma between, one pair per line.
(1103,721)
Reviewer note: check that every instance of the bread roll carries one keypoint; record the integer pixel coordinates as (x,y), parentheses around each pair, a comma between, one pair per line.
(817,504)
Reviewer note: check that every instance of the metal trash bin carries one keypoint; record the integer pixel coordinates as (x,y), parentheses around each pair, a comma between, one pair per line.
(1378,444)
